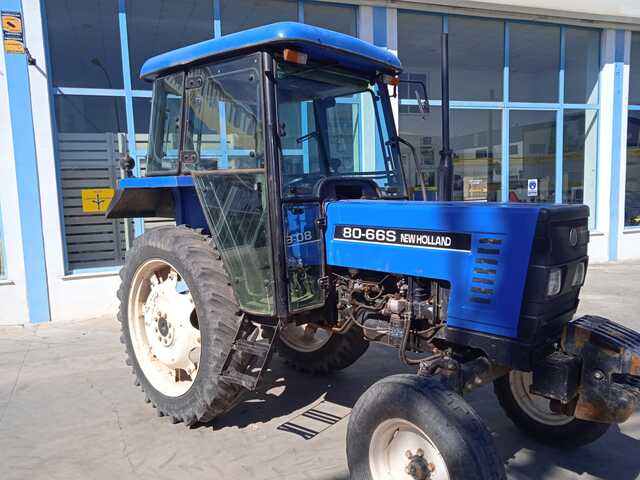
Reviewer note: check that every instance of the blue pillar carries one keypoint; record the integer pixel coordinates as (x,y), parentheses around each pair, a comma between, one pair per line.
(24,150)
(616,141)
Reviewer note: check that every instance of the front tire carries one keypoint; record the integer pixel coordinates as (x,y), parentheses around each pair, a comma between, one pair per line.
(531,414)
(178,317)
(406,426)
(316,351)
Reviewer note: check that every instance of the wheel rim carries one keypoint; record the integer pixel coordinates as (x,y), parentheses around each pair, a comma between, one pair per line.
(163,327)
(304,338)
(534,406)
(397,445)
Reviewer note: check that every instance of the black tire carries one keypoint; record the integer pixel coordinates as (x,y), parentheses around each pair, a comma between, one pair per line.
(574,434)
(339,352)
(197,260)
(461,437)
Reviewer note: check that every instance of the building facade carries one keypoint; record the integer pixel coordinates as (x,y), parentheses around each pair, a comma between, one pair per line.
(540,91)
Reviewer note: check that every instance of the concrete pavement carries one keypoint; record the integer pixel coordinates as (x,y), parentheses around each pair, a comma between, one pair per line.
(69,410)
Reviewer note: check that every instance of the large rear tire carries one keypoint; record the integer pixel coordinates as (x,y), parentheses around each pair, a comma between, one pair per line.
(179,316)
(406,426)
(531,414)
(315,351)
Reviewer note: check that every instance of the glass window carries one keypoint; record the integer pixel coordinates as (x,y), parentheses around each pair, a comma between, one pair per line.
(582,65)
(337,141)
(333,16)
(634,75)
(476,143)
(579,156)
(141,120)
(226,111)
(224,116)
(424,132)
(632,188)
(88,170)
(84,44)
(158,26)
(532,155)
(476,72)
(238,15)
(419,49)
(164,143)
(534,62)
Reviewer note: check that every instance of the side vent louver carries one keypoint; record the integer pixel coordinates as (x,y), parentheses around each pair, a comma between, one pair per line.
(483,281)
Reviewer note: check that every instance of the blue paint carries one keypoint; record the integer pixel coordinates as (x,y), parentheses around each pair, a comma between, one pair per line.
(24,150)
(156,182)
(319,43)
(616,140)
(514,224)
(303,241)
(188,208)
(217,26)
(380,26)
(560,120)
(138,223)
(504,166)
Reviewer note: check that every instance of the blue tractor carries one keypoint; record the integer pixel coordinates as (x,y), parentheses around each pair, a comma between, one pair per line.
(275,151)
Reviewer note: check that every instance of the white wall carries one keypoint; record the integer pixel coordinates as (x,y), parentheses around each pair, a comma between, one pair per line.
(71,297)
(13,285)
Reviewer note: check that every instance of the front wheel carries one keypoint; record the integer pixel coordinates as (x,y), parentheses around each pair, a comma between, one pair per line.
(532,414)
(409,427)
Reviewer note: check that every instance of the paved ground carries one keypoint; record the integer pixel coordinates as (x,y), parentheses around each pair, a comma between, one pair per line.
(68,410)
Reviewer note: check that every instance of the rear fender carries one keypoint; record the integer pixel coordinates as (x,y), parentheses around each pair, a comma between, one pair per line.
(164,197)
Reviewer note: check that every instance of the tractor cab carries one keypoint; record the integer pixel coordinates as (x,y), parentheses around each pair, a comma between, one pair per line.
(267,125)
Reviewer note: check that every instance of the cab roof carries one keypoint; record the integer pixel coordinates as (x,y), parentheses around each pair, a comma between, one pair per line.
(321,45)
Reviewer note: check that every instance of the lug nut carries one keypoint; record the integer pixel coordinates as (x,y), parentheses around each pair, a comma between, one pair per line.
(431,467)
(598,375)
(408,454)
(419,453)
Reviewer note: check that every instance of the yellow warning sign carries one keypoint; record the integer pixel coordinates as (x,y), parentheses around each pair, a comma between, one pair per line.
(13,46)
(96,200)
(11,23)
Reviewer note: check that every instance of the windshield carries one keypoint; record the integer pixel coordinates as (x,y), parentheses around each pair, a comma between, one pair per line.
(333,124)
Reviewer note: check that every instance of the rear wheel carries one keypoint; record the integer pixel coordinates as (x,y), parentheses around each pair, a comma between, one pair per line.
(314,350)
(178,317)
(532,414)
(408,427)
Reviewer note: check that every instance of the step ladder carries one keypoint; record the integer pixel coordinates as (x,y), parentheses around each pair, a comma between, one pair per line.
(260,349)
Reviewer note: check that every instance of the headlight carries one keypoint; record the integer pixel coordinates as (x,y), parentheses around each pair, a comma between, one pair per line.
(578,275)
(554,283)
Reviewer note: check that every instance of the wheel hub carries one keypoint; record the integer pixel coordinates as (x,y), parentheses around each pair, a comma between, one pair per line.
(418,467)
(167,320)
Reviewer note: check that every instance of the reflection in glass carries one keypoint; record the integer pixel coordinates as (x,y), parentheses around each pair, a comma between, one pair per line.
(157,26)
(164,143)
(238,15)
(88,164)
(84,45)
(235,205)
(632,188)
(476,58)
(224,116)
(534,62)
(476,143)
(333,16)
(532,155)
(419,48)
(582,65)
(579,158)
(141,119)
(634,75)
(424,132)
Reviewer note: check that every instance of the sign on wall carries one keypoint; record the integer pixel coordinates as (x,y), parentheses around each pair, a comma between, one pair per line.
(96,200)
(12,32)
(532,187)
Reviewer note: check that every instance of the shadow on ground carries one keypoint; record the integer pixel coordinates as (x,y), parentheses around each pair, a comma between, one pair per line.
(286,392)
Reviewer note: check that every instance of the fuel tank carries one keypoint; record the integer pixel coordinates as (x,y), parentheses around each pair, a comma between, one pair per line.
(483,250)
